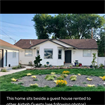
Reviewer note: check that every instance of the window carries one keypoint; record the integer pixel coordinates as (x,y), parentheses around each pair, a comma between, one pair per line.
(59,54)
(14,54)
(28,52)
(37,52)
(48,53)
(87,53)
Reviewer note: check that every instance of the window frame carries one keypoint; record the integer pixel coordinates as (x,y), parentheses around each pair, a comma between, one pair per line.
(28,52)
(48,49)
(87,52)
(60,54)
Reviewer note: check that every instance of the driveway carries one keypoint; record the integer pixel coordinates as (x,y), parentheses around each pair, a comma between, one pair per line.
(14,71)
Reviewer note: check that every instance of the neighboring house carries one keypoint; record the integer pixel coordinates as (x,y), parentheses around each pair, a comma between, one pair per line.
(9,54)
(58,51)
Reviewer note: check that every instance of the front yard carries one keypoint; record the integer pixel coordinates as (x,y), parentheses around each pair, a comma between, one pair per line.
(80,84)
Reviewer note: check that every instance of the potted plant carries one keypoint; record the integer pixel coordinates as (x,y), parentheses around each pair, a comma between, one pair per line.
(76,62)
(80,64)
(91,66)
(47,63)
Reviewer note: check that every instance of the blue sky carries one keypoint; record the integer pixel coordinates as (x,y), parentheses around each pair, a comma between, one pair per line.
(18,26)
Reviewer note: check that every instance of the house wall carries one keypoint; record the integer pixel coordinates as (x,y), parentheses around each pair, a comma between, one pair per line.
(55,47)
(78,55)
(63,44)
(26,59)
(10,60)
(101,60)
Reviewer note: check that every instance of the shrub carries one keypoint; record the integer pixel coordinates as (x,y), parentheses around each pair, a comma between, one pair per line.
(94,58)
(28,74)
(45,65)
(35,79)
(61,83)
(101,66)
(47,76)
(3,70)
(65,72)
(34,85)
(37,61)
(14,67)
(50,78)
(89,85)
(52,73)
(73,78)
(64,75)
(33,76)
(14,80)
(60,78)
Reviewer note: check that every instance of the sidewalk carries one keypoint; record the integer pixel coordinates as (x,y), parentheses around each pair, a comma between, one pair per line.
(14,71)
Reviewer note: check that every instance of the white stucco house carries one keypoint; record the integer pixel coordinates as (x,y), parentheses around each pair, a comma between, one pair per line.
(57,51)
(9,54)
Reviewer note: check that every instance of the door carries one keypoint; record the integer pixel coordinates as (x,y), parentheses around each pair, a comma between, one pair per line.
(68,56)
(1,58)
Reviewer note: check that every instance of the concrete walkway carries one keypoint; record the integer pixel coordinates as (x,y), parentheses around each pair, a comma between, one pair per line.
(14,71)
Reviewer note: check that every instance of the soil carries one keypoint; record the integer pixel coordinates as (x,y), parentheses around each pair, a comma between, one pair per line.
(42,82)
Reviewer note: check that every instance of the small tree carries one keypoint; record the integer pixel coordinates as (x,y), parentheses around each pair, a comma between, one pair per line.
(93,61)
(37,61)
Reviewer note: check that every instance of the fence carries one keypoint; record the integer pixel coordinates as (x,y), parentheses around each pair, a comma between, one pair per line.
(101,60)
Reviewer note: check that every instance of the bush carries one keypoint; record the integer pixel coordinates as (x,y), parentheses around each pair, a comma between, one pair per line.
(101,66)
(15,67)
(60,78)
(64,75)
(34,85)
(45,65)
(3,70)
(73,77)
(50,77)
(37,61)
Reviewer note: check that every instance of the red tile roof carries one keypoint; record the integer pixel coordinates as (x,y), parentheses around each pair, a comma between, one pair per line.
(77,43)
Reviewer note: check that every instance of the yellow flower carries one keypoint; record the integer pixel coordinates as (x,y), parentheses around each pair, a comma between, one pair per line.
(89,79)
(65,72)
(14,80)
(28,74)
(61,82)
(103,78)
(33,76)
(79,74)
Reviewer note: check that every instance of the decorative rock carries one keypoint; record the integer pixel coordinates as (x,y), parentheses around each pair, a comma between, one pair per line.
(104,83)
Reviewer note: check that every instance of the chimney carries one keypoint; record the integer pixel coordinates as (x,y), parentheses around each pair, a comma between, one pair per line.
(30,42)
(92,33)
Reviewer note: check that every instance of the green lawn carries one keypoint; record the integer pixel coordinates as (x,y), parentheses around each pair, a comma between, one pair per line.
(6,85)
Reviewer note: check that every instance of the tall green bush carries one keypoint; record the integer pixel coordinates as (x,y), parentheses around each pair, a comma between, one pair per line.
(37,61)
(93,61)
